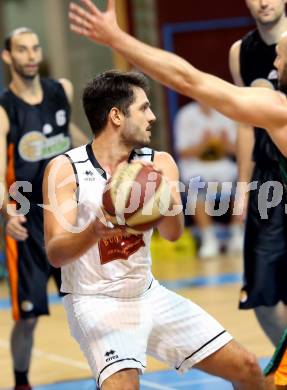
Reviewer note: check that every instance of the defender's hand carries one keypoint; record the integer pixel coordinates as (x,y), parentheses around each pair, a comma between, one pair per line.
(88,20)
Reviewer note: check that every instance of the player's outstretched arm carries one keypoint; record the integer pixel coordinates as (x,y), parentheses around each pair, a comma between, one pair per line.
(4,129)
(247,105)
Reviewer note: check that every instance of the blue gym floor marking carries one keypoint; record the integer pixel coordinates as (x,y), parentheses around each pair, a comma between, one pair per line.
(161,380)
(201,281)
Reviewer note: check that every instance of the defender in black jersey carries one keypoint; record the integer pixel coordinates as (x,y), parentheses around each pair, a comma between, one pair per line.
(34,127)
(265,248)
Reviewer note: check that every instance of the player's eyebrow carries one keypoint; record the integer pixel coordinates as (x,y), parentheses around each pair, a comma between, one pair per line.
(21,46)
(145,105)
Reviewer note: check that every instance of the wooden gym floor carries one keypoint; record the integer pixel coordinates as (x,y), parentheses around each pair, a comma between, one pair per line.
(213,284)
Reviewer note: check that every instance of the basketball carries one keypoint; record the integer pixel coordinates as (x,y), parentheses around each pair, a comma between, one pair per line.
(137,196)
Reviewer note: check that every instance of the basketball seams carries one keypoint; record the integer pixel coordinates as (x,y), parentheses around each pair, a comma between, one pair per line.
(148,188)
(126,174)
(151,210)
(142,210)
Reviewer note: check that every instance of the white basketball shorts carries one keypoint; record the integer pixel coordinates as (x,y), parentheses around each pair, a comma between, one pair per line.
(115,334)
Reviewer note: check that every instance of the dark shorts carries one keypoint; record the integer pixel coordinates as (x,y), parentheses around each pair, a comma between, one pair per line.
(265,247)
(29,270)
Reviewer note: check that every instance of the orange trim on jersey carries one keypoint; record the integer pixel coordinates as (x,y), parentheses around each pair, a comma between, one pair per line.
(10,173)
(12,265)
(280,377)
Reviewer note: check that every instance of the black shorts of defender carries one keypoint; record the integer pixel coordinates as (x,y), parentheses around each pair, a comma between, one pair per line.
(29,270)
(265,246)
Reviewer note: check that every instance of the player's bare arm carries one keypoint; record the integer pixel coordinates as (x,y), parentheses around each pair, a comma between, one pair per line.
(171,227)
(4,129)
(63,246)
(14,226)
(234,63)
(78,137)
(248,105)
(245,134)
(68,88)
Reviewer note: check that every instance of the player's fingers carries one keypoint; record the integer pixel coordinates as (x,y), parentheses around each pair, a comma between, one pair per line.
(111,5)
(22,218)
(19,233)
(107,218)
(18,228)
(82,14)
(21,237)
(116,231)
(91,7)
(79,30)
(141,162)
(80,21)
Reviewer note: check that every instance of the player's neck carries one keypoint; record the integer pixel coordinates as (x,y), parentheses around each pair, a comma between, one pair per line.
(271,33)
(28,90)
(109,153)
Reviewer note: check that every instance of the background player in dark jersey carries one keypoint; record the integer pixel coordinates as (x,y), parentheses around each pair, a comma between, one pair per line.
(265,249)
(34,127)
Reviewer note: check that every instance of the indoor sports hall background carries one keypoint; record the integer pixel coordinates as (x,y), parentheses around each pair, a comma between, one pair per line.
(203,32)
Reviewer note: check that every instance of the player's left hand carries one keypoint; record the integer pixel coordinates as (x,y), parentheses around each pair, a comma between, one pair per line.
(15,228)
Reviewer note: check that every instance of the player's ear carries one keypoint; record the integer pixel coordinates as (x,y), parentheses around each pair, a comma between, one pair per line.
(6,57)
(116,116)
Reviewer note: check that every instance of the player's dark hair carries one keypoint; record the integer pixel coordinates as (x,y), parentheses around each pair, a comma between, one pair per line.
(110,89)
(12,34)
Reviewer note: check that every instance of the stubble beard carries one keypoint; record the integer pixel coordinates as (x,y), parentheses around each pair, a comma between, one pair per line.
(282,85)
(21,73)
(268,23)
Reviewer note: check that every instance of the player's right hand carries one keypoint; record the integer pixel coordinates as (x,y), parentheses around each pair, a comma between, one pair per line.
(103,228)
(15,228)
(88,20)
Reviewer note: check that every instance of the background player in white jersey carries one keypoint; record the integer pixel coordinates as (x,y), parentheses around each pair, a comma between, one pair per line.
(116,310)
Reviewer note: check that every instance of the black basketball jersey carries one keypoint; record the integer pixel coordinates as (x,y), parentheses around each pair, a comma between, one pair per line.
(37,134)
(257,59)
(257,69)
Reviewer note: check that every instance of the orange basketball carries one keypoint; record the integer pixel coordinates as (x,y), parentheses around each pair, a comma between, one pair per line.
(137,195)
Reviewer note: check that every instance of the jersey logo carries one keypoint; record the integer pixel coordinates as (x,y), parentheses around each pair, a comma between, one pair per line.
(89,176)
(61,117)
(27,306)
(34,146)
(119,247)
(47,129)
(273,75)
(110,355)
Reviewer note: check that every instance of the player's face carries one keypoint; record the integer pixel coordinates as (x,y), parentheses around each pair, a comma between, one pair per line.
(25,55)
(266,11)
(280,63)
(138,122)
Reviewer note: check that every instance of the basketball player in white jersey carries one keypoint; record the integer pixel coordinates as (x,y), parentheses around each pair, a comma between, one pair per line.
(116,310)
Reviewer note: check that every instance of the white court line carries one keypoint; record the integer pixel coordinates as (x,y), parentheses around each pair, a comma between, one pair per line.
(196,382)
(153,385)
(52,357)
(84,366)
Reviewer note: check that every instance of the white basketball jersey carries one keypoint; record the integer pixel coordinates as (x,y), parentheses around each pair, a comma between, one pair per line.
(113,267)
